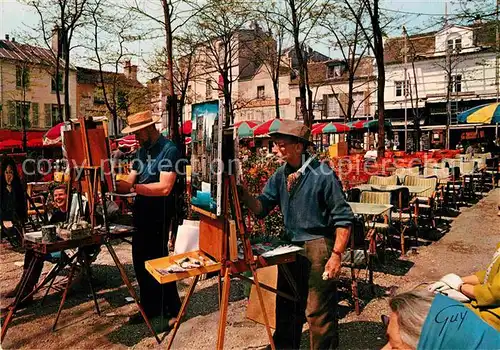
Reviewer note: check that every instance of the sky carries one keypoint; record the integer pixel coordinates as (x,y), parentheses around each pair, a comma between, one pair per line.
(14,17)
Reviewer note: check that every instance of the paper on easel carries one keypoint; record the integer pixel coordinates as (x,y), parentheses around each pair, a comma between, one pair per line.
(205,187)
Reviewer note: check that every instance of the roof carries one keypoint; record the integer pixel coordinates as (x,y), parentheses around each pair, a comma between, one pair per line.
(422,45)
(92,76)
(312,55)
(318,71)
(22,52)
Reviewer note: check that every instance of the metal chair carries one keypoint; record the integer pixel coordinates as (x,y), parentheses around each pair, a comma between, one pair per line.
(383,180)
(425,200)
(401,173)
(377,229)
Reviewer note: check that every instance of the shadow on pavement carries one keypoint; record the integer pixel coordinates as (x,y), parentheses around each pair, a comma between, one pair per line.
(203,302)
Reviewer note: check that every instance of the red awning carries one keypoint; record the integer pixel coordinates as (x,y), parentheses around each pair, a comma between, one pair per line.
(36,142)
(10,144)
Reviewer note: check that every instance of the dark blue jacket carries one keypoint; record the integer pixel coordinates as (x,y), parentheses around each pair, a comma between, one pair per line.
(314,208)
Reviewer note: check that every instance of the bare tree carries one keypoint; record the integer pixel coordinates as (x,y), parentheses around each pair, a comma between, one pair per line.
(270,46)
(222,36)
(347,37)
(63,18)
(372,30)
(110,34)
(301,18)
(175,14)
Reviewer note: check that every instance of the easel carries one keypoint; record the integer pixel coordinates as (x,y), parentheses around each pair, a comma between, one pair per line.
(215,242)
(92,171)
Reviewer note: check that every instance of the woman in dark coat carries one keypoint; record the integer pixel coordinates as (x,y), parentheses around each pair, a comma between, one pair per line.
(13,208)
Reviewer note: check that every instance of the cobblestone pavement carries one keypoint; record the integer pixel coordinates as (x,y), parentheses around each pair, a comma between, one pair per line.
(465,248)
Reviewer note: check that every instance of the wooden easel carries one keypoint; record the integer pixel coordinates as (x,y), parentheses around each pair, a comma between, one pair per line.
(230,267)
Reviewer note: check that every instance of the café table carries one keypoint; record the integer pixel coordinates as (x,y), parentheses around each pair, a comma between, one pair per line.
(414,190)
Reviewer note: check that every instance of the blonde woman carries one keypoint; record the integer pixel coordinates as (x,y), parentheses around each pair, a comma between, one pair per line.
(480,291)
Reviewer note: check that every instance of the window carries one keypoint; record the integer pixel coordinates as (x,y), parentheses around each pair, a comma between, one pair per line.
(22,111)
(261,92)
(298,113)
(455,44)
(332,106)
(36,116)
(22,77)
(208,85)
(55,114)
(401,88)
(98,95)
(358,107)
(334,71)
(456,83)
(51,114)
(60,83)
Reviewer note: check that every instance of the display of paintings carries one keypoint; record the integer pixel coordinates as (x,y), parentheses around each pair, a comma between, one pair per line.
(206,179)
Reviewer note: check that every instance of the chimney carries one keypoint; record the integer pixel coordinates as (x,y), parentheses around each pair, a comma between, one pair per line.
(56,41)
(7,37)
(133,72)
(130,70)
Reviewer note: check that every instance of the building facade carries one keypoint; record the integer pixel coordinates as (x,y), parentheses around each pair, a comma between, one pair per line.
(28,87)
(124,93)
(447,72)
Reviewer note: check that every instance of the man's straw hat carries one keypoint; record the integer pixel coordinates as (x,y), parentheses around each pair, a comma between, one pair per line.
(139,121)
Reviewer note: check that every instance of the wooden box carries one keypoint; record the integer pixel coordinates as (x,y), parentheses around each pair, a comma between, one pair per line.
(268,276)
(163,263)
(212,237)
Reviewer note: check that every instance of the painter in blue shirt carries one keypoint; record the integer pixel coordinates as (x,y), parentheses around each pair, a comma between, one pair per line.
(316,217)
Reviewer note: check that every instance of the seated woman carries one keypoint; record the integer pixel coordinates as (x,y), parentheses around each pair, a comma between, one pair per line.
(58,215)
(13,209)
(480,292)
(421,320)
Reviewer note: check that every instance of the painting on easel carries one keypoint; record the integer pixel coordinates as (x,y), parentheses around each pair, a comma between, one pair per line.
(206,179)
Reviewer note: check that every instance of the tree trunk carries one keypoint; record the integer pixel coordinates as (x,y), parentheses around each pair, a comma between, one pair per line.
(276,98)
(67,107)
(173,119)
(379,54)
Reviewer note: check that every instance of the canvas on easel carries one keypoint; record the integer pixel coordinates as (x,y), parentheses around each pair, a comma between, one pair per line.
(206,177)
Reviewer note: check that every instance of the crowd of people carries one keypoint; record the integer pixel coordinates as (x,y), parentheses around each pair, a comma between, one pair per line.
(451,313)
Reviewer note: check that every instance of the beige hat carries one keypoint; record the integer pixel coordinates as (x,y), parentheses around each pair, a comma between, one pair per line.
(293,128)
(139,121)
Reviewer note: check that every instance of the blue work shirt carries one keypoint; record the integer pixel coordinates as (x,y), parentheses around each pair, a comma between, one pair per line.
(314,208)
(162,155)
(149,162)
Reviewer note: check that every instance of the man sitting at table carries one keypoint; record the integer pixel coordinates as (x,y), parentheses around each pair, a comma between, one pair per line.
(58,215)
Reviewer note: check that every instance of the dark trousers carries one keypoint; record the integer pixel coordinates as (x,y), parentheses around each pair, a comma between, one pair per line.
(317,304)
(151,242)
(29,256)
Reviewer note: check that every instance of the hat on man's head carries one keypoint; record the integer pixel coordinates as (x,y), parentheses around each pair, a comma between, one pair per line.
(139,121)
(294,129)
